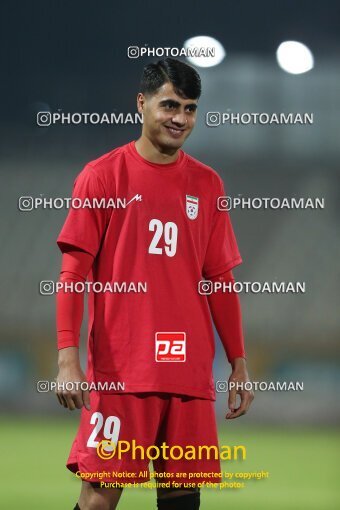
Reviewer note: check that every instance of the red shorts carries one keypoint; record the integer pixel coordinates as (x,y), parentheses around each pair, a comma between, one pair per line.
(177,433)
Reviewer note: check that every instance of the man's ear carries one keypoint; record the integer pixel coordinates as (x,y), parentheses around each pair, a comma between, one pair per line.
(140,102)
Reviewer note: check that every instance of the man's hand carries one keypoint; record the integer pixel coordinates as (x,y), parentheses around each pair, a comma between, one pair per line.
(70,371)
(239,375)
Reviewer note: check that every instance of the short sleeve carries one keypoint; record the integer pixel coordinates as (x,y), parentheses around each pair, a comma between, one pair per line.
(86,221)
(222,253)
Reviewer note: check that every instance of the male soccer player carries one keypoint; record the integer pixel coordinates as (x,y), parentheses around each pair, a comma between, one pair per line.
(157,343)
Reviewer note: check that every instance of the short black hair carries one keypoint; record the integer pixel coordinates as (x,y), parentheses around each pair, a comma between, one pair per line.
(185,80)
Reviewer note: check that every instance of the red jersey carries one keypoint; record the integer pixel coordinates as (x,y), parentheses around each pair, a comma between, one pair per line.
(160,233)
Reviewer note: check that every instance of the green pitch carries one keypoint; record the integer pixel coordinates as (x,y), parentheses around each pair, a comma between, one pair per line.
(302,465)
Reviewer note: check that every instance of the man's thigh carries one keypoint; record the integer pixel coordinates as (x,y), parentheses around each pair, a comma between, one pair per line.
(92,496)
(190,432)
(125,418)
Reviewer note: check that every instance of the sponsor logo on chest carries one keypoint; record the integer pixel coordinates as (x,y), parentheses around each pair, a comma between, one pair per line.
(170,346)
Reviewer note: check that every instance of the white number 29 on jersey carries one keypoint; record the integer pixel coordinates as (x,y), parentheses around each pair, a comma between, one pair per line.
(170,233)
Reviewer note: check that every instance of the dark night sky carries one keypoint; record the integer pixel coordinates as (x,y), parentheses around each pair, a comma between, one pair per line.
(74,52)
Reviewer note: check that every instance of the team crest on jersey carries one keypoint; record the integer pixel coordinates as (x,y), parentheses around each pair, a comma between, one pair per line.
(192,207)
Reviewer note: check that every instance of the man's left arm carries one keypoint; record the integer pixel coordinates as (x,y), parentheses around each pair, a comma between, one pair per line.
(225,309)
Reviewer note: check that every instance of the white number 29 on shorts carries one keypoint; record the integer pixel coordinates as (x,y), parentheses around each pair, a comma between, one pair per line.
(111,429)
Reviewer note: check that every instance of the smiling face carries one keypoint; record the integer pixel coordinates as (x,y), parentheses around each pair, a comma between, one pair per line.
(168,119)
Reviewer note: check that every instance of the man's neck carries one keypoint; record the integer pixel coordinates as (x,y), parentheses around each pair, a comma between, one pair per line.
(153,153)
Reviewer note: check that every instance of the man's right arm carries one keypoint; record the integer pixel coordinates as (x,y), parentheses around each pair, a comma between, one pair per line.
(76,265)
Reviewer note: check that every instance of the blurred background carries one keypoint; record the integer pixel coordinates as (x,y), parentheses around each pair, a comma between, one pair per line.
(72,57)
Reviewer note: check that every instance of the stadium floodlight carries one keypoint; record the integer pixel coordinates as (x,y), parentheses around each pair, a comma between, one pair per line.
(294,57)
(205,51)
